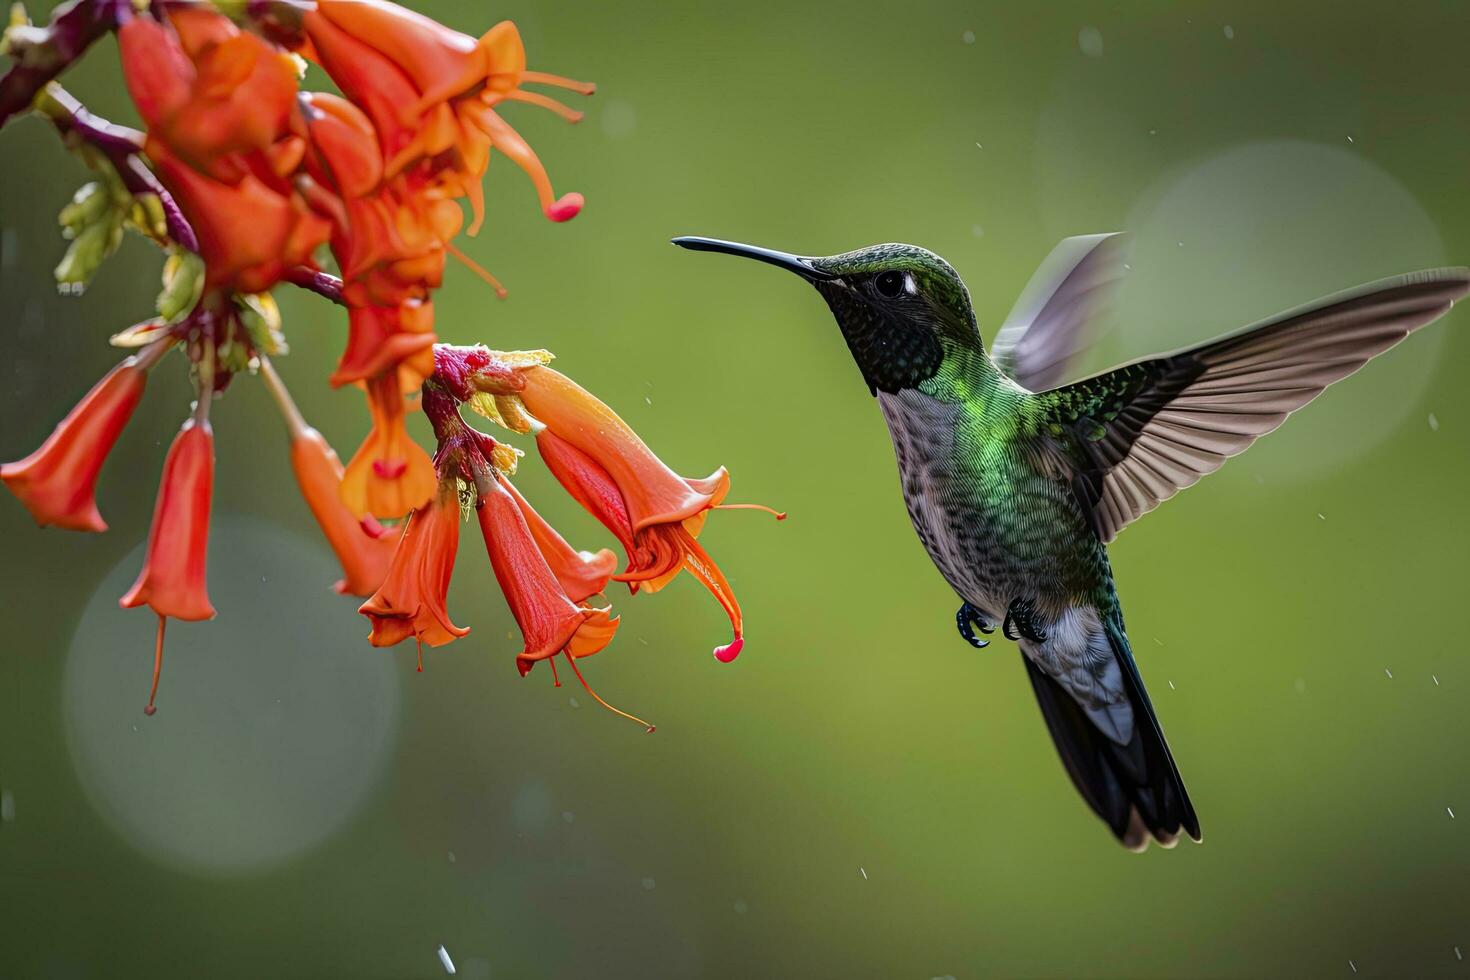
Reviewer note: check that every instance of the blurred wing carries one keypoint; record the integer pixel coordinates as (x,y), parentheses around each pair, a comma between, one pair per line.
(1056,316)
(1139,434)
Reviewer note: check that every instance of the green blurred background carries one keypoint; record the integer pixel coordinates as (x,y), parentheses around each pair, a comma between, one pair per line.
(860,794)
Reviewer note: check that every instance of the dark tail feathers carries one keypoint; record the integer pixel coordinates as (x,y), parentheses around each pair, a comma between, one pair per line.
(1136,788)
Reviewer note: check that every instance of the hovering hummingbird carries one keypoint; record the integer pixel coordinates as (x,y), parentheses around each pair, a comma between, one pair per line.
(1017,482)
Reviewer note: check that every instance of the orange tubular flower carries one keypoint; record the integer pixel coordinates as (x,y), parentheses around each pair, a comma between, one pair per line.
(413,599)
(550,621)
(206,88)
(172,581)
(363,548)
(655,513)
(581,574)
(58,482)
(390,474)
(249,233)
(430,90)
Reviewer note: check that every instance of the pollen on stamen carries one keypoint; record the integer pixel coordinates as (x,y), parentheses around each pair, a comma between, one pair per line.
(566,207)
(727,653)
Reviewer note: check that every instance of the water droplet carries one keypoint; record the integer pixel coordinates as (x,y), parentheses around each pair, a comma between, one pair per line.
(1153,132)
(451,857)
(573,702)
(1433,422)
(568,816)
(1321,516)
(865,873)
(1229,33)
(1350,139)
(7,806)
(1353,965)
(1090,41)
(649,884)
(1171,686)
(968,37)
(445,961)
(1388,672)
(1300,685)
(740,907)
(1436,679)
(977,231)
(1450,812)
(1457,954)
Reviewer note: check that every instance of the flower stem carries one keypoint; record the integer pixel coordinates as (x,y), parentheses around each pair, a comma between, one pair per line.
(295,422)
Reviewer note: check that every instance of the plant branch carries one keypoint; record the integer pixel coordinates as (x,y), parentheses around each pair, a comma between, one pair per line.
(42,53)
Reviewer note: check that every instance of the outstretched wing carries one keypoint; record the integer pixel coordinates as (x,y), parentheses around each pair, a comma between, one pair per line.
(1139,434)
(1056,315)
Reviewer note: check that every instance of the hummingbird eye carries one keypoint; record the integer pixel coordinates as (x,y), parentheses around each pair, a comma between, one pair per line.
(889,284)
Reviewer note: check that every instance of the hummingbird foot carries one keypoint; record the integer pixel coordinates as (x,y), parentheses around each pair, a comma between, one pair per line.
(1020,622)
(969,616)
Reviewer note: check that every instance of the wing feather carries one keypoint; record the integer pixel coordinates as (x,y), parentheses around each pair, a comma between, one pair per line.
(1141,433)
(1056,315)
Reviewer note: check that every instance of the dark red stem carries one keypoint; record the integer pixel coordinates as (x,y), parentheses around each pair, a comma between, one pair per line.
(43,53)
(322,283)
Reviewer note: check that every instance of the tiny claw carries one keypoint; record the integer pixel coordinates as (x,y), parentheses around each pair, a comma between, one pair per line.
(566,207)
(963,621)
(1020,623)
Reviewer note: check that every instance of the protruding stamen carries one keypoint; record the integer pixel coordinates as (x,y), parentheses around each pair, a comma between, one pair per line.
(559,81)
(779,515)
(477,269)
(571,660)
(545,102)
(157,665)
(555,680)
(419,640)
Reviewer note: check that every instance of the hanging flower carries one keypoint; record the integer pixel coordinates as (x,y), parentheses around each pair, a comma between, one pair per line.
(430,91)
(390,474)
(205,88)
(57,483)
(581,574)
(172,581)
(655,513)
(363,547)
(413,599)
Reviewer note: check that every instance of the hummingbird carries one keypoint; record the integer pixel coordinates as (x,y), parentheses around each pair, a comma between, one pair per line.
(1017,479)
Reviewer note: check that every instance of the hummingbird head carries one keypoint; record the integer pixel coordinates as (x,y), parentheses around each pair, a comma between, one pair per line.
(902,309)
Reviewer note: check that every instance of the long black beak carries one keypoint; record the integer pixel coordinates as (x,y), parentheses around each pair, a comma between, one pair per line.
(791,263)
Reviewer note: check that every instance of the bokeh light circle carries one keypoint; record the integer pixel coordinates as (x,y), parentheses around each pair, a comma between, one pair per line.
(1265,227)
(275,721)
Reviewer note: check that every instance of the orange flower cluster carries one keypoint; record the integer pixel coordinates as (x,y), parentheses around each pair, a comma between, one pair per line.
(259,176)
(655,514)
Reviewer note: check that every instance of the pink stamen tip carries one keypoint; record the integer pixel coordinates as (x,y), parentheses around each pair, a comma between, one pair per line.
(727,653)
(149,710)
(566,207)
(781,516)
(389,469)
